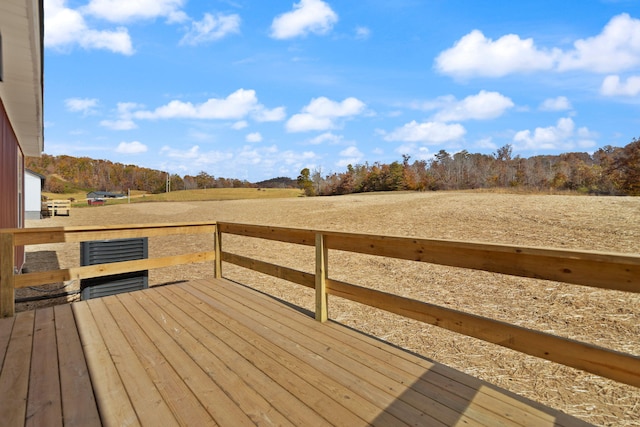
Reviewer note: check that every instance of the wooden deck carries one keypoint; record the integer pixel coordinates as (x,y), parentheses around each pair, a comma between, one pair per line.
(216,353)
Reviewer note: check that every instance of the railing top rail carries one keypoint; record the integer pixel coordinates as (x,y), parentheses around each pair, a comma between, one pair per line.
(38,235)
(589,268)
(85,228)
(247,229)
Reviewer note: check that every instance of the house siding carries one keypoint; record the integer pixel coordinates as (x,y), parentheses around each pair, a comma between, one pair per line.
(11,166)
(32,195)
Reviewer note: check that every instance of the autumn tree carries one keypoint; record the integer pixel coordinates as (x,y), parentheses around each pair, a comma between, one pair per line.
(627,167)
(305,183)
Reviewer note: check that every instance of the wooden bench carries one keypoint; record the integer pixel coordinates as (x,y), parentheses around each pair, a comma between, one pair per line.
(57,207)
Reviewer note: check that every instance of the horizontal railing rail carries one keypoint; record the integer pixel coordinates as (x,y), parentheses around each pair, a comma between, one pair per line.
(611,271)
(601,270)
(11,238)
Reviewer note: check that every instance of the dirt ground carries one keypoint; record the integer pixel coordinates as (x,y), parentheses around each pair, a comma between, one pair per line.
(606,318)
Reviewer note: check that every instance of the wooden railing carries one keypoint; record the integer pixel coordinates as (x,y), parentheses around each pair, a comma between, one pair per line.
(601,270)
(10,238)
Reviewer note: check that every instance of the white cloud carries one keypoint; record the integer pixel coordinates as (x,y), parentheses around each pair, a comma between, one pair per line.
(290,157)
(546,138)
(195,158)
(308,16)
(362,33)
(239,125)
(326,137)
(349,156)
(324,107)
(211,28)
(615,49)
(274,115)
(483,106)
(476,55)
(254,137)
(127,10)
(613,86)
(417,152)
(65,28)
(124,117)
(134,147)
(307,122)
(427,132)
(119,124)
(230,162)
(83,105)
(235,106)
(322,113)
(561,103)
(487,143)
(562,136)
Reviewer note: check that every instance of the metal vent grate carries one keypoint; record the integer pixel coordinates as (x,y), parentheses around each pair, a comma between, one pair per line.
(114,250)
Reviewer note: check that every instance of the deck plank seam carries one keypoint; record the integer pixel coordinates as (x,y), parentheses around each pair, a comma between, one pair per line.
(328,390)
(506,402)
(221,373)
(374,394)
(250,362)
(362,359)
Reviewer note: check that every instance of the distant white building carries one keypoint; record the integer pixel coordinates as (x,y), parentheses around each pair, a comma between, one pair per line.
(33,183)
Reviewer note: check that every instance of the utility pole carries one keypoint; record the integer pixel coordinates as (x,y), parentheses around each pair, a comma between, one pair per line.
(168,186)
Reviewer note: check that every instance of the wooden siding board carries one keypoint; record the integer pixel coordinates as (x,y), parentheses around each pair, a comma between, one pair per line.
(11,163)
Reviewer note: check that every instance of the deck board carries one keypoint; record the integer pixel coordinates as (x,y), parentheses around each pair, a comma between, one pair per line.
(14,377)
(44,404)
(215,353)
(78,401)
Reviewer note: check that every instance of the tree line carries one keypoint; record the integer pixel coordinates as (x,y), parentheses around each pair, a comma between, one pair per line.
(67,174)
(608,171)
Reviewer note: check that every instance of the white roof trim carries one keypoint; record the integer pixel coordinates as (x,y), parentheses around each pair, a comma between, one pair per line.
(21,86)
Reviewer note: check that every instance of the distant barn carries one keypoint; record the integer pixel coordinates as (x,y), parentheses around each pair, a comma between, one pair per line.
(104,195)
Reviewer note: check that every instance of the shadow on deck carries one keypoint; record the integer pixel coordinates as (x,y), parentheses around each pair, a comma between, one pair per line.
(213,352)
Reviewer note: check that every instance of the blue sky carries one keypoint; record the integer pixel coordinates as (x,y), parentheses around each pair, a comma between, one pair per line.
(255,89)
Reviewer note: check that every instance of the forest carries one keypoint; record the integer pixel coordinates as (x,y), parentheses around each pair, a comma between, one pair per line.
(608,171)
(67,174)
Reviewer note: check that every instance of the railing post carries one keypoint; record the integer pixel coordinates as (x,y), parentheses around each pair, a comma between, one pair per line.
(321,278)
(217,243)
(7,261)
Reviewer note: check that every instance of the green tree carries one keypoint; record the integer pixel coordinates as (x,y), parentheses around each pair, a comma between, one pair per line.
(305,183)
